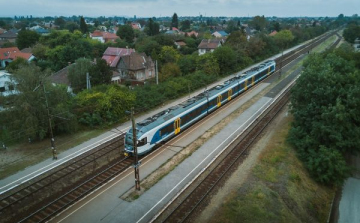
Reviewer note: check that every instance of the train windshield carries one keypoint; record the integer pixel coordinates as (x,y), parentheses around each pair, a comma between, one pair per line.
(129,139)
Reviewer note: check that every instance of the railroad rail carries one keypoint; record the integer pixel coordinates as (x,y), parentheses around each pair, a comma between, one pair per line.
(186,207)
(11,204)
(40,188)
(182,209)
(46,212)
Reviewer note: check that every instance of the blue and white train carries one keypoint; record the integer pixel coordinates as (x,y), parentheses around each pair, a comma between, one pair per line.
(170,122)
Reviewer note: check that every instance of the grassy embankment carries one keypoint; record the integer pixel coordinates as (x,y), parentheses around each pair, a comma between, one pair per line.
(278,188)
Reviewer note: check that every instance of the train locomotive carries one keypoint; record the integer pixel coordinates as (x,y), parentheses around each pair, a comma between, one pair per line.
(170,122)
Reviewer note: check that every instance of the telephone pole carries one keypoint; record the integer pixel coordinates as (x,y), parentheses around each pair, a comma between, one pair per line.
(52,140)
(136,161)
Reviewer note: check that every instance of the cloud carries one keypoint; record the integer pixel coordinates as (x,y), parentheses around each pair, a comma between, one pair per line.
(149,8)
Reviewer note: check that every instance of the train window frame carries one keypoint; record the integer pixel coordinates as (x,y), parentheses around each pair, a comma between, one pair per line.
(142,142)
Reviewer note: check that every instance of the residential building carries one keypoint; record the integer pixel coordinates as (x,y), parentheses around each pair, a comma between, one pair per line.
(220,34)
(136,25)
(192,33)
(61,78)
(112,55)
(104,37)
(273,33)
(9,36)
(136,66)
(209,45)
(179,44)
(7,55)
(7,84)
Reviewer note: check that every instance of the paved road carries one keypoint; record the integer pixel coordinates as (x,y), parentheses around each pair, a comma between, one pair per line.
(349,208)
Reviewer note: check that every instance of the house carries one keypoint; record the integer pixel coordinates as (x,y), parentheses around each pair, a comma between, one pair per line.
(7,85)
(112,55)
(7,55)
(61,78)
(179,43)
(209,45)
(104,37)
(2,31)
(136,25)
(192,33)
(136,66)
(220,34)
(273,33)
(9,36)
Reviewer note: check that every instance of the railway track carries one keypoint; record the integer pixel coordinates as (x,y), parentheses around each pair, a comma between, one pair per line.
(188,205)
(12,204)
(183,208)
(48,211)
(36,191)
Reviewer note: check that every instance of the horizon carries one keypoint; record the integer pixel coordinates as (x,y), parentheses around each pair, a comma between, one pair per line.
(166,8)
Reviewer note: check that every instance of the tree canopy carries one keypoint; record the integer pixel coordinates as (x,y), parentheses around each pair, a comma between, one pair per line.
(126,33)
(27,38)
(175,21)
(325,103)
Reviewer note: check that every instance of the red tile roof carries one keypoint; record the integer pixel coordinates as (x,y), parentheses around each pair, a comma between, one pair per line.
(209,44)
(13,53)
(112,55)
(273,33)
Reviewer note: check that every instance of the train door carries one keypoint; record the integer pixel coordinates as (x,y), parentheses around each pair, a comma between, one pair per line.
(229,94)
(177,126)
(269,69)
(252,80)
(219,99)
(245,85)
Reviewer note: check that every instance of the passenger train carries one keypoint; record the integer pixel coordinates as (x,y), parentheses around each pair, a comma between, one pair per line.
(170,122)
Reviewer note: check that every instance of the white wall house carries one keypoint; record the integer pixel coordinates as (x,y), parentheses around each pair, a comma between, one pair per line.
(7,85)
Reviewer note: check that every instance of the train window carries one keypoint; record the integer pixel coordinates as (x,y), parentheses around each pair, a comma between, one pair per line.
(142,142)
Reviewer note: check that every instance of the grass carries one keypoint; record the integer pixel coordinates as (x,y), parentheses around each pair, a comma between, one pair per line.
(323,46)
(18,157)
(278,189)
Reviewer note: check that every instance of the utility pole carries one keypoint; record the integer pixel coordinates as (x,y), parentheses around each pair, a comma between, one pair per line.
(136,162)
(156,73)
(88,84)
(52,140)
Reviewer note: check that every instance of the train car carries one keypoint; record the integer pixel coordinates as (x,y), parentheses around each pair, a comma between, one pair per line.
(170,122)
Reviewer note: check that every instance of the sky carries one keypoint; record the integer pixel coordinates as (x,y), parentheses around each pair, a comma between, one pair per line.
(157,8)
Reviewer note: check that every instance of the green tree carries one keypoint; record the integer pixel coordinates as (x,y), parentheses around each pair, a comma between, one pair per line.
(169,70)
(208,64)
(185,25)
(126,33)
(169,55)
(60,22)
(284,38)
(17,64)
(77,74)
(100,73)
(104,104)
(27,116)
(326,110)
(259,23)
(351,33)
(226,58)
(187,63)
(26,38)
(153,28)
(175,21)
(83,26)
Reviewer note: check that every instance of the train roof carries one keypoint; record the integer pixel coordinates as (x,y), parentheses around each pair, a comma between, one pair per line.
(165,115)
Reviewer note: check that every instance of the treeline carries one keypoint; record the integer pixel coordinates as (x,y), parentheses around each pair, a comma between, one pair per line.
(325,103)
(181,72)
